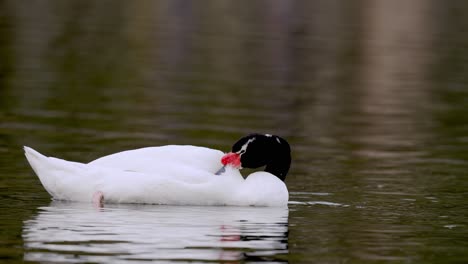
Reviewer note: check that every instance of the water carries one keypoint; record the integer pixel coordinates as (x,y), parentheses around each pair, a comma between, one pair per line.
(63,230)
(373,98)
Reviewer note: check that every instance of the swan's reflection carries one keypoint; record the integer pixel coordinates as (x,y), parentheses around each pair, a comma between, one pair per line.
(77,232)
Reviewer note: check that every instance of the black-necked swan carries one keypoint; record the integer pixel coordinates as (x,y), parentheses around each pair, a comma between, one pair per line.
(173,175)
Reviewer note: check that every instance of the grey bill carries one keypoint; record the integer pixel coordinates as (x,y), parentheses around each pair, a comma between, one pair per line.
(220,171)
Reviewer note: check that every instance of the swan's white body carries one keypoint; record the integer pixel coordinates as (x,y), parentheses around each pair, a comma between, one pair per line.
(176,175)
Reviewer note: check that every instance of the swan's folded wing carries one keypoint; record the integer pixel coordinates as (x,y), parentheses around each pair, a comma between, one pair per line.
(160,159)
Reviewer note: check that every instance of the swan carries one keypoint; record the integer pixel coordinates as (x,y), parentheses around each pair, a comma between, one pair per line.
(173,175)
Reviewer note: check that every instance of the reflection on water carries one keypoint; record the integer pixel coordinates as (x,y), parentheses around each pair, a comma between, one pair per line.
(77,232)
(372,95)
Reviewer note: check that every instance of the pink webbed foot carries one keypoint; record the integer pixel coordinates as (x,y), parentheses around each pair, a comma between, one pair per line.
(98,199)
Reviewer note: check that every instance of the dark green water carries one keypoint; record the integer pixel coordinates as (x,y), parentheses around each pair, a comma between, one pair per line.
(372,95)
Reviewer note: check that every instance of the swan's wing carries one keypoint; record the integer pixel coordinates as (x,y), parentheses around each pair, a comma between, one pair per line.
(165,158)
(67,180)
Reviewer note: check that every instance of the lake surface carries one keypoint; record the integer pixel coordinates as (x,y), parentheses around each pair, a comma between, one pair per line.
(372,96)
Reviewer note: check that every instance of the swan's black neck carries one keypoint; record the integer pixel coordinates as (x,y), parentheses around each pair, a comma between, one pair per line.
(259,150)
(280,167)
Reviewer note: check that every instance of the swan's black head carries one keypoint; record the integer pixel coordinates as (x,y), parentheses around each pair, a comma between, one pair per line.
(257,150)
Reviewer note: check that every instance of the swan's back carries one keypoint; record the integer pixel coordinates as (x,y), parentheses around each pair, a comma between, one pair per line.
(163,158)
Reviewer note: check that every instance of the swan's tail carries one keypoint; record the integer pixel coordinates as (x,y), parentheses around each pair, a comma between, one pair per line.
(35,159)
(60,178)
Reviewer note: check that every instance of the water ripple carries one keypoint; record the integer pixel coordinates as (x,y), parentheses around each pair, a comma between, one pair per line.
(63,230)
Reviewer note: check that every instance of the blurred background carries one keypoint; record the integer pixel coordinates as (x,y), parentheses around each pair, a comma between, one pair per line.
(372,96)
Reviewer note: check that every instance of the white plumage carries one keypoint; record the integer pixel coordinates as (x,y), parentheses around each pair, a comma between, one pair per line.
(176,175)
